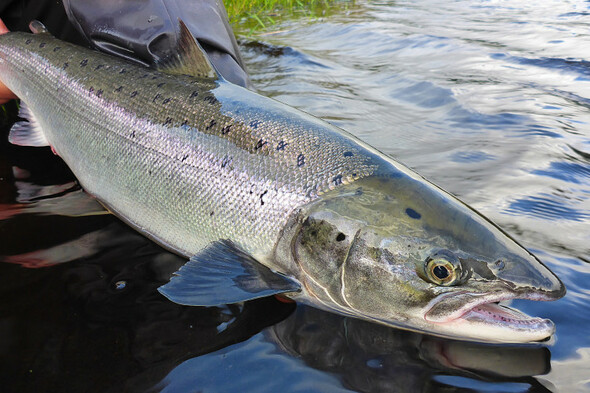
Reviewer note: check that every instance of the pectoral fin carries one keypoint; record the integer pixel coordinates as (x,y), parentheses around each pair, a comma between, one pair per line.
(27,132)
(224,274)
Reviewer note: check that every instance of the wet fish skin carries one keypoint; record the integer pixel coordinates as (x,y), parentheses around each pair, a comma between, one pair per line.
(180,139)
(189,161)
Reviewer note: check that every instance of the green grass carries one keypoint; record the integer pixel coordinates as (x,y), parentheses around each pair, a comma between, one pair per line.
(251,16)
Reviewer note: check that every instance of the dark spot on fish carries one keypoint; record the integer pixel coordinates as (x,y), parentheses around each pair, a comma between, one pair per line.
(337,180)
(184,157)
(150,171)
(66,64)
(155,77)
(98,67)
(161,84)
(144,76)
(156,97)
(348,154)
(211,124)
(300,160)
(184,123)
(194,94)
(212,213)
(56,48)
(226,160)
(168,121)
(260,144)
(413,214)
(261,195)
(91,90)
(42,45)
(210,99)
(118,89)
(123,70)
(255,123)
(133,94)
(133,134)
(282,145)
(28,41)
(354,174)
(99,93)
(226,129)
(84,63)
(340,237)
(167,100)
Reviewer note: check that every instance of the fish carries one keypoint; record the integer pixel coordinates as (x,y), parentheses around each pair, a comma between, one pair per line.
(264,199)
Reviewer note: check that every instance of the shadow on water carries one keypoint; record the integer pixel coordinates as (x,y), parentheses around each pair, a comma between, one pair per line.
(87,317)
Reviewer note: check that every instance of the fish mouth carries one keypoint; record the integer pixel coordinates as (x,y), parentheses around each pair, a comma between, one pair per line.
(482,317)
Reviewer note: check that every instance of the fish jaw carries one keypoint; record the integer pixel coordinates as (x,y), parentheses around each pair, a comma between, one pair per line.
(481,317)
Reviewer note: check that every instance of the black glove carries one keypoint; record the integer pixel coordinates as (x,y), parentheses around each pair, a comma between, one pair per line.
(146,31)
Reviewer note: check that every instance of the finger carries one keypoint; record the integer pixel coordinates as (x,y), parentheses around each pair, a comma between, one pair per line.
(3,28)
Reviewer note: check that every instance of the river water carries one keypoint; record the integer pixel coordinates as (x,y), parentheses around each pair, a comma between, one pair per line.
(488,99)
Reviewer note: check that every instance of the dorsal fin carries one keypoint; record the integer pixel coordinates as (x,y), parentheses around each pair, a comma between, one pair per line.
(38,28)
(189,59)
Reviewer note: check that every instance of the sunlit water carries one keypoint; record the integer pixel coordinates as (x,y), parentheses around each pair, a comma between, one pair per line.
(488,99)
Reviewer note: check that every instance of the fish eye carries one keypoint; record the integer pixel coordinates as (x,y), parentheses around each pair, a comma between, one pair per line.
(443,268)
(440,271)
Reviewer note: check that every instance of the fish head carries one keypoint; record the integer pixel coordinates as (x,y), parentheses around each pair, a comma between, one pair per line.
(402,252)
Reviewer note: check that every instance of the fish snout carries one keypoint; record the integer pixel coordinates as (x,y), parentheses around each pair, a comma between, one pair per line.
(550,289)
(531,279)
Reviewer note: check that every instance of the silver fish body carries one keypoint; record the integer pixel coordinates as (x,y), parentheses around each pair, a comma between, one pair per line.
(190,161)
(185,160)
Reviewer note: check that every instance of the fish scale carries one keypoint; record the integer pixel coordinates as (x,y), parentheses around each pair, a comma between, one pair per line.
(185,160)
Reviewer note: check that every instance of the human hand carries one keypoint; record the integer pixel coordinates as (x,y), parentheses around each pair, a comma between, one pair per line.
(5,93)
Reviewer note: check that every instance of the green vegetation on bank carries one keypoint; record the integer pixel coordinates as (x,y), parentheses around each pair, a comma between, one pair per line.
(250,16)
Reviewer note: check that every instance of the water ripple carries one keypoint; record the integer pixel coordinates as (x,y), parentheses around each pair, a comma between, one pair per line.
(581,67)
(548,208)
(567,171)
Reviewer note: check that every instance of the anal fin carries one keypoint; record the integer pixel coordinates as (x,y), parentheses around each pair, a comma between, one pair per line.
(27,132)
(224,274)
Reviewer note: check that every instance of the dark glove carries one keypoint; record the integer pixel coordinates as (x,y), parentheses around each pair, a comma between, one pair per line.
(146,31)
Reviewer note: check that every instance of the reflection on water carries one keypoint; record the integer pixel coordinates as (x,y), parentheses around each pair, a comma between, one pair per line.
(314,350)
(370,357)
(488,99)
(99,325)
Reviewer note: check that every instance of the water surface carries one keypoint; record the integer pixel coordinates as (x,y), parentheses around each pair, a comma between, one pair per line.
(488,99)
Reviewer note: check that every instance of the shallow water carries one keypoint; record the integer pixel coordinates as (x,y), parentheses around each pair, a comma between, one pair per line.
(488,99)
